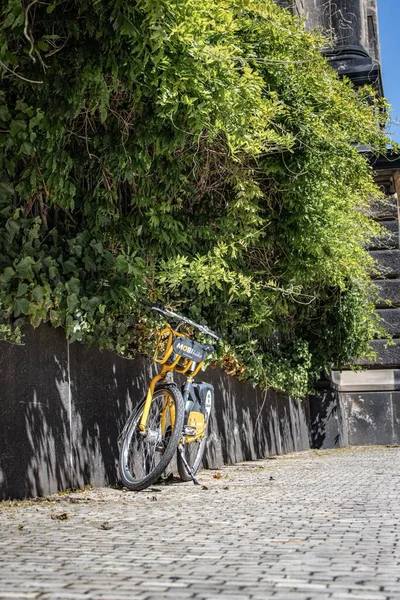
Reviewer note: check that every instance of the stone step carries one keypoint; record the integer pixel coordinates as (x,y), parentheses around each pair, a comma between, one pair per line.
(386,356)
(389,237)
(391,317)
(384,209)
(388,262)
(389,292)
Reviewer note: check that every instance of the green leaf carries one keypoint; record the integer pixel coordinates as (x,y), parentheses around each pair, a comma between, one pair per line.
(122,263)
(69,266)
(53,272)
(17,127)
(103,114)
(36,319)
(7,275)
(22,289)
(4,113)
(13,228)
(27,148)
(6,190)
(73,285)
(38,293)
(72,302)
(21,305)
(24,267)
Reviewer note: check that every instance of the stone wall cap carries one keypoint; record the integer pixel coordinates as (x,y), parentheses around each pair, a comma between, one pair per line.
(364,381)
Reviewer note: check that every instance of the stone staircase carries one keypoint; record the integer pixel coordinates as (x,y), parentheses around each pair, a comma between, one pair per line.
(360,408)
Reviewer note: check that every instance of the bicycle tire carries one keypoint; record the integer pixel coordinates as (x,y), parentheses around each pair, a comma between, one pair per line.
(194,452)
(142,459)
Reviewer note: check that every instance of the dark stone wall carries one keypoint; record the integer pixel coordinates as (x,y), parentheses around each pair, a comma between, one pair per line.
(328,422)
(389,293)
(61,409)
(387,355)
(63,406)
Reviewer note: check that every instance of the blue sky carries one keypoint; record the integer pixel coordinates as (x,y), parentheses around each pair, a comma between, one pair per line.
(389,30)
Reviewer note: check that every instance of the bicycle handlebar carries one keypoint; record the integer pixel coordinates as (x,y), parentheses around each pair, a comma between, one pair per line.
(169,313)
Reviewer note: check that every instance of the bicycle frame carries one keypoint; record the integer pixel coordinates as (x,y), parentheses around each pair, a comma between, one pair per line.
(179,364)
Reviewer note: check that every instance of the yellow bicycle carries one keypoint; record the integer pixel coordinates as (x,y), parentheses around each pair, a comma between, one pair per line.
(169,419)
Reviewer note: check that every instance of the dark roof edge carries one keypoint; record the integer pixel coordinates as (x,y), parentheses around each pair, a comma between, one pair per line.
(391,160)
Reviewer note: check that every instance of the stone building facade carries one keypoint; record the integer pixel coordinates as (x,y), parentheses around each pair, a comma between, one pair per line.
(362,407)
(351,30)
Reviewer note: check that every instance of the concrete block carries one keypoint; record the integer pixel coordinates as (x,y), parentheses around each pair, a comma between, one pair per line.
(396,417)
(293,423)
(368,380)
(63,406)
(247,421)
(369,416)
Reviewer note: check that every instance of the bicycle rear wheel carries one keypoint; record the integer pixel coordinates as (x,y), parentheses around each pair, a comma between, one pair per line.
(143,457)
(193,453)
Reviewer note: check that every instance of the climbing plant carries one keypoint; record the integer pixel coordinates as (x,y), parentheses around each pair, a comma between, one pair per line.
(199,154)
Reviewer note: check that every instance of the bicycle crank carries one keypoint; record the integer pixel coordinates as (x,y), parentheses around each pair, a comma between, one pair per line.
(187,467)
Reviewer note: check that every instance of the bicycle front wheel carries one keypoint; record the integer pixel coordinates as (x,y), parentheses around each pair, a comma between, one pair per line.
(144,456)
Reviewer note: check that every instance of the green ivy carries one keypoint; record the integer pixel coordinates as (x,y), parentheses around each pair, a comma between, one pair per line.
(201,154)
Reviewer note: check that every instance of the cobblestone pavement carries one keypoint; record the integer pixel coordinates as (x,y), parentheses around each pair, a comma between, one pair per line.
(314,525)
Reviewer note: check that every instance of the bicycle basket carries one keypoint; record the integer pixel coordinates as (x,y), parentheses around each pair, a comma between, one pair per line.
(189,349)
(176,351)
(164,349)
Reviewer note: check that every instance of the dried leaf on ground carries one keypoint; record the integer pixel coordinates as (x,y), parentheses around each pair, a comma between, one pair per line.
(60,517)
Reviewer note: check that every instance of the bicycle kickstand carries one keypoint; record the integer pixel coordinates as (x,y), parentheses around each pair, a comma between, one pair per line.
(188,469)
